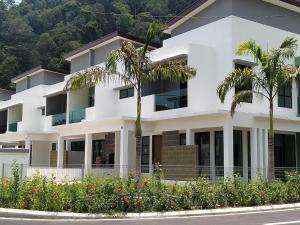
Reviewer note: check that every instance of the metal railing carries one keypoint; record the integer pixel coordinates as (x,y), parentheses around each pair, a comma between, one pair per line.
(77,116)
(59,119)
(71,172)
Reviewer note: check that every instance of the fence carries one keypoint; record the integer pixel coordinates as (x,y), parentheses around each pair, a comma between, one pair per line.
(177,173)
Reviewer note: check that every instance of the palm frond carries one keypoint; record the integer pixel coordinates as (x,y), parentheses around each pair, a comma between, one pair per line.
(237,78)
(87,78)
(239,98)
(253,49)
(174,70)
(153,31)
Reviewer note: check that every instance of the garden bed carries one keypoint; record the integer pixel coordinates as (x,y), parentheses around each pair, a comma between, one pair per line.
(115,195)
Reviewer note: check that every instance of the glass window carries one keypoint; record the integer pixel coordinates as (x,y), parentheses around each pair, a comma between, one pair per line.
(53,146)
(238,151)
(285,96)
(77,146)
(219,153)
(91,96)
(145,154)
(182,139)
(126,93)
(246,86)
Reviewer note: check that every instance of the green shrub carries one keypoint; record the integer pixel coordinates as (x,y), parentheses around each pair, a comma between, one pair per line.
(95,195)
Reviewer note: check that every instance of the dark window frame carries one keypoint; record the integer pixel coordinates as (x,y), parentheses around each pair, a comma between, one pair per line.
(285,96)
(126,93)
(182,139)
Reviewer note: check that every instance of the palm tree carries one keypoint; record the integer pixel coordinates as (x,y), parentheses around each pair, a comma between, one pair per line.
(270,75)
(137,68)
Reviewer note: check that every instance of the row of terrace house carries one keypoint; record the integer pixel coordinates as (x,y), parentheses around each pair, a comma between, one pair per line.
(185,127)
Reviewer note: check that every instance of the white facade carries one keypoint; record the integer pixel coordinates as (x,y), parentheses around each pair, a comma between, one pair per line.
(211,50)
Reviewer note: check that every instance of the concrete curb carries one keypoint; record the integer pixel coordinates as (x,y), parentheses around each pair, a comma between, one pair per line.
(32,214)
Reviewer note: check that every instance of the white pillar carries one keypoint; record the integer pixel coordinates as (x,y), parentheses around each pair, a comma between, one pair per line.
(212,156)
(228,148)
(68,145)
(190,137)
(88,152)
(245,154)
(28,146)
(60,152)
(254,158)
(124,152)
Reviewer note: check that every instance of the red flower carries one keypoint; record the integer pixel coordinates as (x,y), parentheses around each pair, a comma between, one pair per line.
(145,183)
(126,199)
(35,190)
(113,204)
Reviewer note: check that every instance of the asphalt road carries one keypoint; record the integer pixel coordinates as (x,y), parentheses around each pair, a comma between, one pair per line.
(279,217)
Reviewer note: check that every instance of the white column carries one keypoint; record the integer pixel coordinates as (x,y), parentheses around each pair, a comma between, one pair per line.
(68,145)
(124,152)
(245,154)
(228,148)
(28,146)
(254,158)
(212,156)
(60,152)
(88,152)
(190,137)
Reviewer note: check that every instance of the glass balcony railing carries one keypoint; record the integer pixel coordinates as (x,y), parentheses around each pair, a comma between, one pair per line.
(171,100)
(13,127)
(59,119)
(77,116)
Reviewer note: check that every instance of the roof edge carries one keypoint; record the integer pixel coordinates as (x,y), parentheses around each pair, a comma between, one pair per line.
(105,38)
(37,68)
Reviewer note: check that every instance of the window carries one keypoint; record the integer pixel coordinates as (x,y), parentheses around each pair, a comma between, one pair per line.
(77,146)
(53,146)
(43,111)
(285,96)
(127,93)
(145,154)
(238,151)
(219,153)
(91,96)
(182,139)
(247,86)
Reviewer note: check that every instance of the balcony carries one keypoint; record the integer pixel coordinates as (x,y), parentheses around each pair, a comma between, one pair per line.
(13,127)
(77,116)
(171,100)
(297,61)
(59,119)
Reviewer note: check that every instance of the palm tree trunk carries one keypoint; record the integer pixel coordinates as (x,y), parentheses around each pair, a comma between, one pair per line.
(138,131)
(271,162)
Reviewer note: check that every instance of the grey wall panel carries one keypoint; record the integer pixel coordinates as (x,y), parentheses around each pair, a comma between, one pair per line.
(52,78)
(101,54)
(80,63)
(21,85)
(254,10)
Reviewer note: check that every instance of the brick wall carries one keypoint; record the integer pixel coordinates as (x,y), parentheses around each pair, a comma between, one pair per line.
(180,162)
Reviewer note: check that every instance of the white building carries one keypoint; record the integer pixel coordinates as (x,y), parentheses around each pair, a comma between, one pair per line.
(185,126)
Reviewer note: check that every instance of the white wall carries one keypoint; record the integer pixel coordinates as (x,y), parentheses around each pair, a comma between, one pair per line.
(9,158)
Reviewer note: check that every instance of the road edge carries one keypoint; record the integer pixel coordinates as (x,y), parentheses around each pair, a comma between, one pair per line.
(32,214)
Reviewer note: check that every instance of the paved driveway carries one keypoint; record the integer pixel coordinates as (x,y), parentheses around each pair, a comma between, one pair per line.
(279,217)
